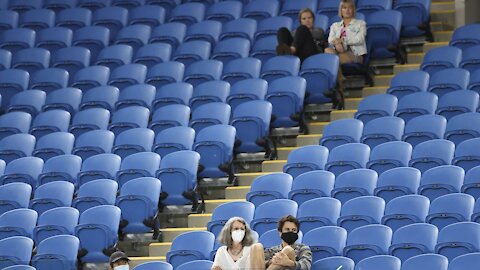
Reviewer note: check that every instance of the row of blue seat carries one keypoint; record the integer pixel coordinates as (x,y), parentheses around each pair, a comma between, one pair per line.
(445,57)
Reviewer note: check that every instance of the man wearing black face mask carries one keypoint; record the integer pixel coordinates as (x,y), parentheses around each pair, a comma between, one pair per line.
(288,255)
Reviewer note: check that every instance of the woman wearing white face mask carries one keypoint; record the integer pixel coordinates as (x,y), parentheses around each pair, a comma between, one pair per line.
(237,238)
(119,261)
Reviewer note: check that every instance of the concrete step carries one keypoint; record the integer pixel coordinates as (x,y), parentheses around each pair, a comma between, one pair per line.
(246,179)
(168,234)
(382,80)
(447,5)
(415,58)
(159,249)
(134,261)
(284,151)
(239,192)
(430,45)
(402,68)
(199,220)
(443,36)
(310,139)
(316,127)
(370,91)
(273,165)
(342,114)
(352,103)
(447,17)
(210,205)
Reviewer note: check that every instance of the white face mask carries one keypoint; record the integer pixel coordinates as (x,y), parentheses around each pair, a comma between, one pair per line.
(122,267)
(237,236)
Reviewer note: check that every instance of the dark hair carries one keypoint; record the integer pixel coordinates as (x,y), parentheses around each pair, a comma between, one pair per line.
(304,11)
(289,218)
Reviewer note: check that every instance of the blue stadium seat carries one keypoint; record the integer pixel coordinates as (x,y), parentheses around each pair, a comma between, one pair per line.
(49,122)
(320,71)
(17,39)
(5,58)
(383,34)
(192,51)
(361,211)
(169,116)
(94,38)
(95,193)
(367,241)
(15,122)
(52,195)
(465,154)
(326,241)
(9,19)
(190,246)
(264,48)
(173,139)
(310,218)
(239,28)
(209,91)
(101,166)
(409,82)
(128,118)
(441,58)
(241,69)
(291,8)
(305,159)
(152,54)
(157,265)
(178,174)
(127,75)
(54,144)
(416,104)
(136,95)
(142,164)
(449,80)
(332,262)
(115,56)
(224,11)
(347,157)
(222,213)
(427,262)
(37,19)
(464,261)
(97,230)
(416,14)
(128,4)
(465,36)
(458,239)
(424,128)
(328,8)
(16,146)
(133,141)
(57,221)
(379,262)
(405,210)
(14,196)
(470,59)
(170,33)
(67,99)
(269,26)
(440,181)
(94,4)
(376,106)
(432,153)
(60,168)
(12,81)
(89,119)
(188,13)
(389,155)
(73,18)
(31,59)
(54,38)
(58,251)
(90,77)
(151,15)
(213,113)
(246,90)
(259,10)
(353,184)
(205,30)
(15,251)
(231,49)
(382,130)
(165,73)
(449,209)
(471,183)
(93,143)
(463,127)
(203,71)
(311,185)
(49,79)
(269,187)
(368,7)
(269,213)
(136,36)
(138,201)
(287,97)
(341,132)
(59,5)
(397,182)
(113,18)
(18,222)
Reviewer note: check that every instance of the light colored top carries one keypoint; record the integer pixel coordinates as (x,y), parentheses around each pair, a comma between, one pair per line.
(354,35)
(225,261)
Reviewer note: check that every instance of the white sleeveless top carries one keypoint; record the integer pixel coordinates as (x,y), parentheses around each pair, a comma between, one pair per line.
(225,261)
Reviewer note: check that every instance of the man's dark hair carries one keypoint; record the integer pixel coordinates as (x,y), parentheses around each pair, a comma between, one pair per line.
(288,218)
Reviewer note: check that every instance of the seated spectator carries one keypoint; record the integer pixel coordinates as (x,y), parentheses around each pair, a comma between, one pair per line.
(237,238)
(119,261)
(305,41)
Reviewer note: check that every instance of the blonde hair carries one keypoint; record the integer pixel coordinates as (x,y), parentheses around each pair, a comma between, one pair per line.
(347,2)
(305,10)
(225,236)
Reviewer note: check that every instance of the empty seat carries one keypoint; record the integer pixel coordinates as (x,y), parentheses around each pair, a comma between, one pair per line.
(90,77)
(379,262)
(170,33)
(94,38)
(264,48)
(465,154)
(280,66)
(458,239)
(210,91)
(14,196)
(266,218)
(95,193)
(222,213)
(383,35)
(449,80)
(49,79)
(54,144)
(94,4)
(416,17)
(166,266)
(9,19)
(241,69)
(416,104)
(361,211)
(320,72)
(204,30)
(409,82)
(260,10)
(457,102)
(224,11)
(413,240)
(113,18)
(441,180)
(136,36)
(203,71)
(88,120)
(15,251)
(470,59)
(449,209)
(328,8)
(311,185)
(151,15)
(16,146)
(188,13)
(115,56)
(471,183)
(93,143)
(210,114)
(31,59)
(368,241)
(246,90)
(152,54)
(67,99)
(54,38)
(143,164)
(173,139)
(133,141)
(60,168)
(17,222)
(382,130)
(15,122)
(239,28)
(5,59)
(128,118)
(73,18)
(441,58)
(17,39)
(98,167)
(389,155)
(136,95)
(52,195)
(287,97)
(192,51)
(354,183)
(56,221)
(102,97)
(169,116)
(269,187)
(37,19)
(23,6)
(341,132)
(465,36)
(347,157)
(269,26)
(326,241)
(56,251)
(432,153)
(464,261)
(231,49)
(332,262)
(305,159)
(59,5)
(165,73)
(49,122)
(12,81)
(310,218)
(376,106)
(128,4)
(423,128)
(463,127)
(190,246)
(397,182)
(127,75)
(405,210)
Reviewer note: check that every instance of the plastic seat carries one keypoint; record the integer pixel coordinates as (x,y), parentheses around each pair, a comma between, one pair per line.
(269,213)
(326,241)
(140,164)
(354,183)
(222,213)
(239,28)
(203,71)
(376,106)
(37,19)
(305,159)
(246,90)
(152,54)
(52,195)
(441,58)
(287,97)
(328,8)
(128,118)
(192,51)
(389,155)
(54,144)
(449,80)
(465,36)
(397,182)
(17,39)
(465,154)
(264,48)
(320,72)
(204,30)
(31,59)
(90,77)
(471,183)
(347,157)
(57,251)
(102,97)
(241,69)
(97,230)
(383,34)
(170,33)
(463,127)
(310,218)
(379,262)
(94,38)
(88,120)
(409,82)
(426,261)
(95,193)
(368,6)
(231,49)
(178,174)
(210,91)
(416,14)
(49,122)
(382,130)
(405,210)
(157,265)
(361,211)
(259,10)
(470,59)
(169,116)
(440,181)
(9,19)
(280,66)
(432,153)
(458,239)
(115,56)
(173,139)
(165,73)
(224,12)
(94,4)
(416,104)
(269,187)
(196,264)
(151,15)
(113,18)
(341,132)
(54,38)
(98,167)
(93,143)
(16,146)
(136,95)
(128,4)
(464,261)
(457,102)
(136,36)
(332,262)
(188,13)
(15,251)
(424,128)
(127,75)
(17,222)
(269,26)
(184,250)
(14,196)
(73,18)
(67,99)
(14,122)
(60,168)
(292,8)
(5,58)
(12,81)
(367,241)
(59,5)
(23,6)
(214,113)
(133,141)
(449,209)
(56,221)
(49,79)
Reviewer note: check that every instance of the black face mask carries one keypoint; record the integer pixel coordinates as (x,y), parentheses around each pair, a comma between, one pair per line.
(289,237)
